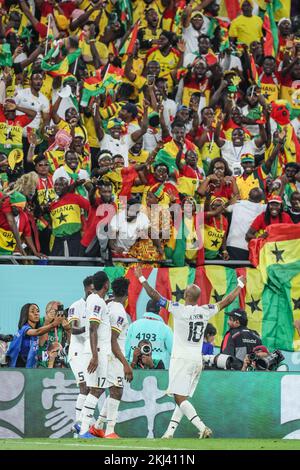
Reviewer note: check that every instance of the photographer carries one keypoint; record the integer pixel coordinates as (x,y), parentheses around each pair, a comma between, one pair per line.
(142,357)
(60,334)
(239,340)
(262,360)
(56,356)
(4,340)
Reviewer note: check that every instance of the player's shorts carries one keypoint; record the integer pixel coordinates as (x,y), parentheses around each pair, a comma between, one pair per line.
(115,373)
(183,376)
(78,362)
(98,378)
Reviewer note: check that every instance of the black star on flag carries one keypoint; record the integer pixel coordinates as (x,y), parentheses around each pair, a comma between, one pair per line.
(178,293)
(278,253)
(215,242)
(218,297)
(10,244)
(296,304)
(254,305)
(62,218)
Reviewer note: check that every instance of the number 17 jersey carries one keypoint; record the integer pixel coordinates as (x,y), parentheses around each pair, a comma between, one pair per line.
(189,325)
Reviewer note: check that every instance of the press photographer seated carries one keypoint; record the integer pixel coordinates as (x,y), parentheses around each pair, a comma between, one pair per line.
(262,360)
(142,357)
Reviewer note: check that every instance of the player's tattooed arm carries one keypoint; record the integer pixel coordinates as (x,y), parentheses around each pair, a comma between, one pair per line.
(232,295)
(153,294)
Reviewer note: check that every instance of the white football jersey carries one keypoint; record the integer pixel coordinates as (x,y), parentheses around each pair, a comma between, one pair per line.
(119,322)
(97,311)
(189,325)
(77,312)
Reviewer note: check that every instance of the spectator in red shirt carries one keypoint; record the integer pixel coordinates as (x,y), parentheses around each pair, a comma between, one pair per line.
(7,220)
(274,214)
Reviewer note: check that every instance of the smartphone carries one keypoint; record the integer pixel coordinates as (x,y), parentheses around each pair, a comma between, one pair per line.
(150,79)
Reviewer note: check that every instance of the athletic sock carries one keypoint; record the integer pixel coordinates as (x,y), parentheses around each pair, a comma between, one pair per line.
(189,411)
(102,416)
(112,413)
(88,412)
(175,420)
(79,405)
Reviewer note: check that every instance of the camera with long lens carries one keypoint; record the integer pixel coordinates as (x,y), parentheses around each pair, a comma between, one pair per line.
(146,349)
(221,361)
(269,362)
(62,357)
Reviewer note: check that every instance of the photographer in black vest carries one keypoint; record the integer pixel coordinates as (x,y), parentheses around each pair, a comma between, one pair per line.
(239,340)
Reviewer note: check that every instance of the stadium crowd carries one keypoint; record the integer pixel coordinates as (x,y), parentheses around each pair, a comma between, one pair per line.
(169,105)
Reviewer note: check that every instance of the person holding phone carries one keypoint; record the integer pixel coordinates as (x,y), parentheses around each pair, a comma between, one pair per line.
(60,334)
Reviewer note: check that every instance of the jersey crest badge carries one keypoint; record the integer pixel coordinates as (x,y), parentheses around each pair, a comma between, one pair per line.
(97,308)
(120,321)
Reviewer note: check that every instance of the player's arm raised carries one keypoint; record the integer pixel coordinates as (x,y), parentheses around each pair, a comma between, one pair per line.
(230,297)
(153,294)
(128,373)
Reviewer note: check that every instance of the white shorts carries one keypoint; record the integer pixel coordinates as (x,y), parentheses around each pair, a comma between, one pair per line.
(183,376)
(98,378)
(78,363)
(115,373)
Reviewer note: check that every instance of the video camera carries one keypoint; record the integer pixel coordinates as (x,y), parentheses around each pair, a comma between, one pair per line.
(269,362)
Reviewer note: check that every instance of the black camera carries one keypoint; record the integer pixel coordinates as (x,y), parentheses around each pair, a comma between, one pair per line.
(61,359)
(6,338)
(61,311)
(269,362)
(146,349)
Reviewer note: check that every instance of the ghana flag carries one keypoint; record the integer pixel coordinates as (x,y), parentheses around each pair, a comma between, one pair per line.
(65,215)
(278,260)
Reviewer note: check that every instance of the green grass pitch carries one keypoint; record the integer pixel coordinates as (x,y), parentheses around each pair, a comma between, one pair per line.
(148,444)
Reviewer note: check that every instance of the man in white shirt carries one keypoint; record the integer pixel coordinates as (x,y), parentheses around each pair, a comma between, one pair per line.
(193,26)
(97,348)
(190,321)
(118,367)
(32,98)
(77,320)
(243,214)
(126,227)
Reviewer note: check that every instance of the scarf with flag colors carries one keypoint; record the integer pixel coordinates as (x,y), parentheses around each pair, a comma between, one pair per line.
(96,85)
(61,68)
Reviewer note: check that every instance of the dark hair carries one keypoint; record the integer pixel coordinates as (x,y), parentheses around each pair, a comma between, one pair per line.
(39,158)
(100,279)
(125,90)
(203,36)
(295,193)
(88,281)
(293,165)
(269,57)
(120,287)
(177,123)
(24,314)
(171,37)
(210,330)
(228,172)
(268,214)
(73,42)
(89,23)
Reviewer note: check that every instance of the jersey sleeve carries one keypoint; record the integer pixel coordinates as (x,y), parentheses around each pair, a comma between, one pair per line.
(116,321)
(94,310)
(73,314)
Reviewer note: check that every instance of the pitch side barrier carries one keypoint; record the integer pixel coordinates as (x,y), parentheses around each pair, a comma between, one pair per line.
(76,260)
(41,403)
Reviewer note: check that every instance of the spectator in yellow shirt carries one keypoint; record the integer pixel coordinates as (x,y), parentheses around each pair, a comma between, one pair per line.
(246,28)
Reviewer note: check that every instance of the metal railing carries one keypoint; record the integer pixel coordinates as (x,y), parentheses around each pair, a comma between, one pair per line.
(9,259)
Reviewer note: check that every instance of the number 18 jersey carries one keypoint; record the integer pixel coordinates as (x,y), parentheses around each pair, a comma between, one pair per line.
(189,325)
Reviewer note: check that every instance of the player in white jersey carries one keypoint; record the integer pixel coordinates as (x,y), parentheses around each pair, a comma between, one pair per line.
(77,320)
(97,348)
(190,321)
(118,367)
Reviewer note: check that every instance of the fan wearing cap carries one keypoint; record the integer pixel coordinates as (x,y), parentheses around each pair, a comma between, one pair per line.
(274,214)
(252,177)
(193,27)
(8,243)
(247,27)
(239,340)
(79,146)
(8,223)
